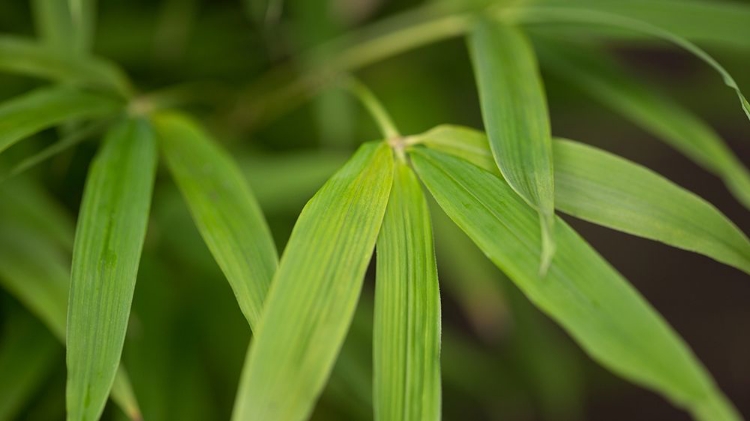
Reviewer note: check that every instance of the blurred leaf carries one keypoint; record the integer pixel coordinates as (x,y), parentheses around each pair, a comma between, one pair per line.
(30,58)
(315,291)
(514,110)
(581,291)
(27,355)
(25,115)
(224,209)
(608,190)
(721,23)
(34,271)
(406,332)
(109,238)
(285,182)
(536,14)
(26,203)
(602,78)
(59,28)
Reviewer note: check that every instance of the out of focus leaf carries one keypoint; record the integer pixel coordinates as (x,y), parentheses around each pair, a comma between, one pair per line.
(25,115)
(581,291)
(65,25)
(224,209)
(28,57)
(603,79)
(607,190)
(406,335)
(542,14)
(109,238)
(27,355)
(69,140)
(722,23)
(35,271)
(315,290)
(514,109)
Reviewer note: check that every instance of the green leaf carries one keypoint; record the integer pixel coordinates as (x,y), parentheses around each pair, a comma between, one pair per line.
(109,238)
(514,109)
(542,14)
(27,355)
(25,203)
(54,24)
(36,273)
(581,291)
(45,107)
(224,209)
(76,136)
(31,58)
(608,190)
(406,334)
(284,183)
(723,23)
(602,78)
(315,290)
(611,191)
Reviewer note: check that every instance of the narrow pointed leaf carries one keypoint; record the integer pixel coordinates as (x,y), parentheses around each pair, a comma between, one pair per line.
(581,291)
(76,136)
(27,355)
(54,25)
(721,23)
(605,189)
(31,58)
(224,209)
(109,238)
(608,190)
(601,77)
(514,109)
(537,14)
(35,271)
(406,334)
(25,115)
(315,290)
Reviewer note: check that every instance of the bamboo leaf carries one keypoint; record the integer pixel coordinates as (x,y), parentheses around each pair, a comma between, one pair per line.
(542,14)
(406,334)
(723,23)
(224,209)
(581,291)
(514,109)
(605,189)
(602,78)
(25,115)
(31,58)
(109,238)
(35,271)
(315,290)
(608,190)
(27,355)
(76,136)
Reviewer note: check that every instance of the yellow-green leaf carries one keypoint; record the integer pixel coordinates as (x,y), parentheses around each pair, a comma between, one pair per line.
(581,291)
(109,238)
(406,335)
(314,291)
(224,209)
(514,109)
(601,77)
